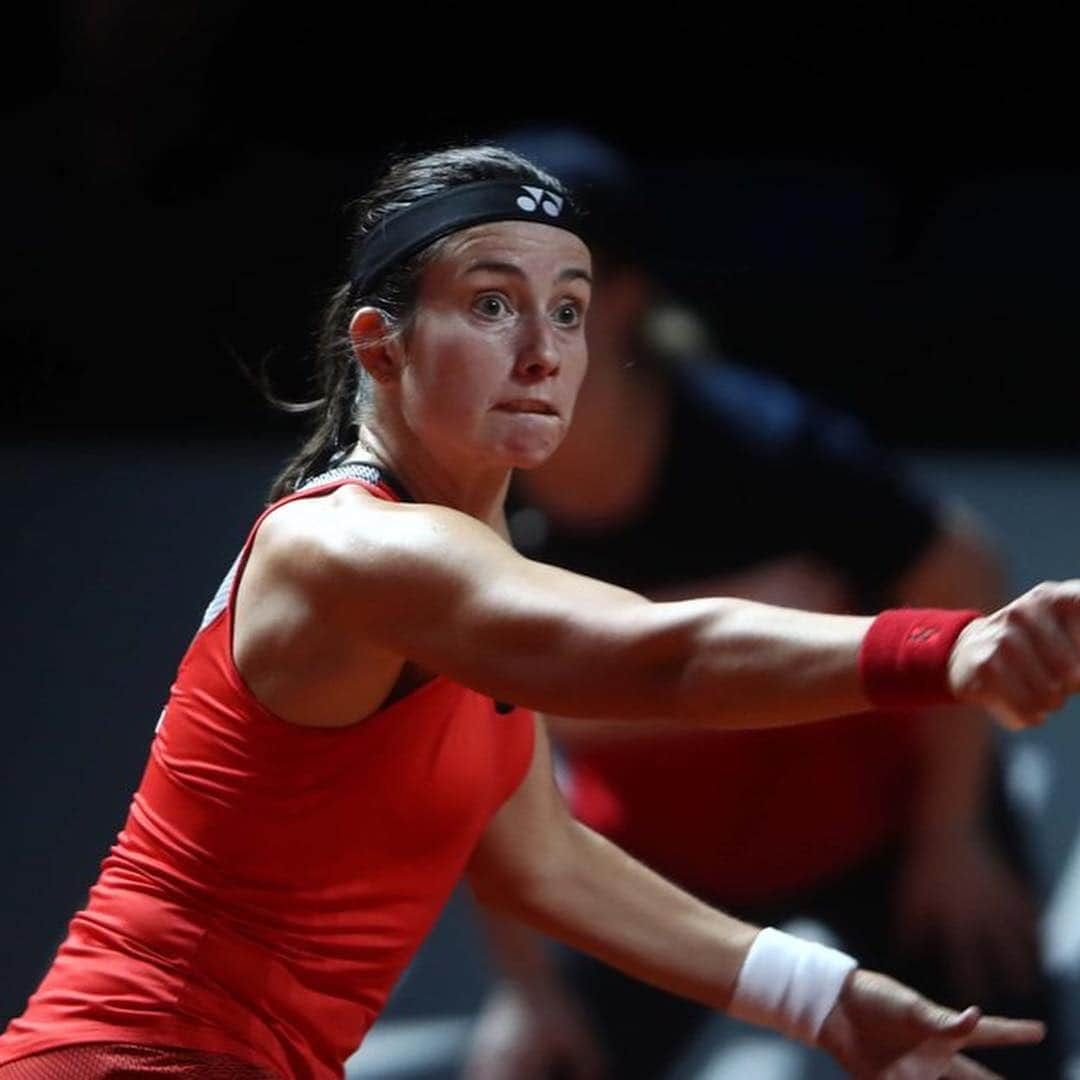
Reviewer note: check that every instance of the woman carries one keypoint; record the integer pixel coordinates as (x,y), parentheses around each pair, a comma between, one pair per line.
(336,751)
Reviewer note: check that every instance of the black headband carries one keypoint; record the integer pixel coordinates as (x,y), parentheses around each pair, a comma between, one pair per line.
(403,234)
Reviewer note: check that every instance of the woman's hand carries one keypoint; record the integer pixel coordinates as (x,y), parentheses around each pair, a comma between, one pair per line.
(533,1035)
(881,1028)
(1022,661)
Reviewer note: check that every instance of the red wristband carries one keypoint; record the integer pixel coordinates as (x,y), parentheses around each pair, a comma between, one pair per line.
(904,658)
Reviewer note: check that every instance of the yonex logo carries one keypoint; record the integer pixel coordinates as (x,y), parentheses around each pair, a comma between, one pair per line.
(535,197)
(922,633)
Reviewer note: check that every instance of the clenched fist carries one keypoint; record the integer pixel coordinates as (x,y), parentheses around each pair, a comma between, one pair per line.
(1022,661)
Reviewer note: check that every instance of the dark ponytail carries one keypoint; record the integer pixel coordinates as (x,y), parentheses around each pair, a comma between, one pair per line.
(342,382)
(338,374)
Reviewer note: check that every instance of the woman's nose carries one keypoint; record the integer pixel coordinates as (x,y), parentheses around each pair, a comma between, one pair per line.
(538,349)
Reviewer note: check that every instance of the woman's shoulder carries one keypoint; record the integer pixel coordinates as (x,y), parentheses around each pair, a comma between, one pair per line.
(350,531)
(305,532)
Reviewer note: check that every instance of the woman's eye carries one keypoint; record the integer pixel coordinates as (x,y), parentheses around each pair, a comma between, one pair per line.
(568,314)
(490,306)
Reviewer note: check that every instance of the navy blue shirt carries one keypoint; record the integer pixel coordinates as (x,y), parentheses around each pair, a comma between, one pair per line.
(754,471)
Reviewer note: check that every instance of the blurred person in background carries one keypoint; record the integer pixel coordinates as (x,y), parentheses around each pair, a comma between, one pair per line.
(686,475)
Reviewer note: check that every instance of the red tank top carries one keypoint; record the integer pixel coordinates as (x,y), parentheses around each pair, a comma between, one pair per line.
(272,881)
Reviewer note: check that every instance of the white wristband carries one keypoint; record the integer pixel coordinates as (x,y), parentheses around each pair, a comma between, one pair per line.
(789,984)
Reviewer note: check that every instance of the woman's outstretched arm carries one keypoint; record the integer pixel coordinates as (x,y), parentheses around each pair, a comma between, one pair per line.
(442,590)
(536,863)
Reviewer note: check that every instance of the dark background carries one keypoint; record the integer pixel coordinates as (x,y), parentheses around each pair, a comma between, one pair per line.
(886,215)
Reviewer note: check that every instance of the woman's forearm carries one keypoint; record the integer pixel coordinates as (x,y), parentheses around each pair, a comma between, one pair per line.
(775,666)
(607,904)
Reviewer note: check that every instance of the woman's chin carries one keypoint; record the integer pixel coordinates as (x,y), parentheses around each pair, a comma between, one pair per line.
(531,455)
(527,449)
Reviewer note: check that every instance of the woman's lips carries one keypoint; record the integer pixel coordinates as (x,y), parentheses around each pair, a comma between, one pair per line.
(527,405)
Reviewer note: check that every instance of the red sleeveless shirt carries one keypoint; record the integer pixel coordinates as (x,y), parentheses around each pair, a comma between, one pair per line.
(272,881)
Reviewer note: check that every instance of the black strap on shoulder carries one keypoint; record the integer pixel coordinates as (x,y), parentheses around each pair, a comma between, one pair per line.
(359,470)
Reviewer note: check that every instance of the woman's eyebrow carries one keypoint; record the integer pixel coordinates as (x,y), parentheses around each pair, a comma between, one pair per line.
(495,266)
(575,273)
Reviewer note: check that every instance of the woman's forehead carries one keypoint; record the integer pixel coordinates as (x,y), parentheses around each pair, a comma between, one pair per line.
(524,243)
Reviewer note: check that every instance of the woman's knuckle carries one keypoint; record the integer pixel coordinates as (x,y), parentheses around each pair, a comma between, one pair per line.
(1043,591)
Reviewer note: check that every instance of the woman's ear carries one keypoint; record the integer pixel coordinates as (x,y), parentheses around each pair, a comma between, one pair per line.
(375,347)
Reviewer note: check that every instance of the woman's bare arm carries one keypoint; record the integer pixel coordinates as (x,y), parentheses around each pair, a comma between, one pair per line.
(536,863)
(444,591)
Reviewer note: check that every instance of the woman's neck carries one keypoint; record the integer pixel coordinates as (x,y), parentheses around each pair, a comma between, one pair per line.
(427,479)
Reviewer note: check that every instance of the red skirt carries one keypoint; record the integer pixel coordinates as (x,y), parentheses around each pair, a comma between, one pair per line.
(122,1061)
